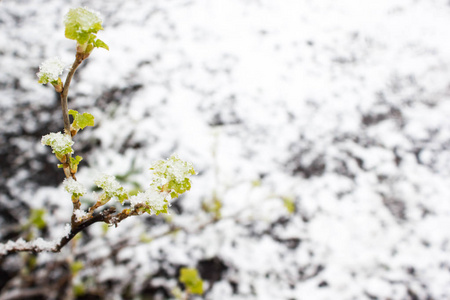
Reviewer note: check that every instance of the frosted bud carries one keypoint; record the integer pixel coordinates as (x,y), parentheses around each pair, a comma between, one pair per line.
(50,70)
(173,169)
(111,186)
(80,23)
(74,187)
(61,143)
(152,197)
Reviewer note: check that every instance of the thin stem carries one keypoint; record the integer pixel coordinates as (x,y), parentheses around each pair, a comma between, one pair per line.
(65,112)
(101,217)
(65,92)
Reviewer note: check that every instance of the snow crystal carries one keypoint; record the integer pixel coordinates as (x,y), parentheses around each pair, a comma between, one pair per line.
(152,197)
(74,187)
(82,18)
(173,167)
(80,214)
(50,70)
(108,183)
(61,143)
(21,245)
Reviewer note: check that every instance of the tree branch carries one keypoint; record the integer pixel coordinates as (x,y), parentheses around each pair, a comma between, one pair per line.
(65,92)
(41,245)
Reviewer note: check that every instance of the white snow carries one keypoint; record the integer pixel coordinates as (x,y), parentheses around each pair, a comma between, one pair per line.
(341,106)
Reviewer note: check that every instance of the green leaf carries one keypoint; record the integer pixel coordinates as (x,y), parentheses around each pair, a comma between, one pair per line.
(37,218)
(289,203)
(192,280)
(86,119)
(76,266)
(80,121)
(71,32)
(180,187)
(79,290)
(75,161)
(121,194)
(165,210)
(101,44)
(73,113)
(81,23)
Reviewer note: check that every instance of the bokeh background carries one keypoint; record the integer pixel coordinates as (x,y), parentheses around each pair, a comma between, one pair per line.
(320,131)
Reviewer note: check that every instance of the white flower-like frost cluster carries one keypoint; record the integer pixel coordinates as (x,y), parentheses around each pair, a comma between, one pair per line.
(108,183)
(151,197)
(83,18)
(61,143)
(74,187)
(172,169)
(50,70)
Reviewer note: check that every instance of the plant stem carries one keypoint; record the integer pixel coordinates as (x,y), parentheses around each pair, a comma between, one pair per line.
(101,217)
(65,92)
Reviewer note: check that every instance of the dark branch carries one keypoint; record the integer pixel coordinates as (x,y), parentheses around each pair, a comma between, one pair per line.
(42,246)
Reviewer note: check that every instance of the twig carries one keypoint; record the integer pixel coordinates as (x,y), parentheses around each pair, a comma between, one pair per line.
(65,92)
(44,246)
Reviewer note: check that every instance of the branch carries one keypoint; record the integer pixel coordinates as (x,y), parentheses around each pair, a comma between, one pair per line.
(41,245)
(65,92)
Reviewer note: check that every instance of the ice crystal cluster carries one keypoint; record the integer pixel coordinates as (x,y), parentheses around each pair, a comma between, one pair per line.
(172,175)
(153,198)
(80,23)
(74,187)
(61,143)
(50,70)
(170,179)
(111,187)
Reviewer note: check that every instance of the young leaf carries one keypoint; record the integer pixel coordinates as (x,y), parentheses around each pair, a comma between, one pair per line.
(37,218)
(85,119)
(101,44)
(289,203)
(81,23)
(74,162)
(61,143)
(192,280)
(80,121)
(76,266)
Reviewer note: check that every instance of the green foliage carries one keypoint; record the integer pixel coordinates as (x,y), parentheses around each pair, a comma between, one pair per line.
(111,188)
(121,195)
(79,289)
(82,25)
(171,176)
(179,187)
(61,143)
(37,218)
(101,44)
(74,162)
(50,70)
(289,203)
(80,121)
(176,173)
(191,280)
(76,266)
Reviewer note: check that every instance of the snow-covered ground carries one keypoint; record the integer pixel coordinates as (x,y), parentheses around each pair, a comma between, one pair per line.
(338,107)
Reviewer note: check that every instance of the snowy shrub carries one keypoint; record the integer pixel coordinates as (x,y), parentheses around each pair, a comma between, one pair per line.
(170,177)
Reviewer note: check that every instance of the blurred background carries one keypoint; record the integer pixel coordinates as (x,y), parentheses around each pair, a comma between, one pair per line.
(319,129)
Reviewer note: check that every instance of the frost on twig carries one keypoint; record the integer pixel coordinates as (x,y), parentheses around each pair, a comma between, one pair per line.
(38,245)
(171,176)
